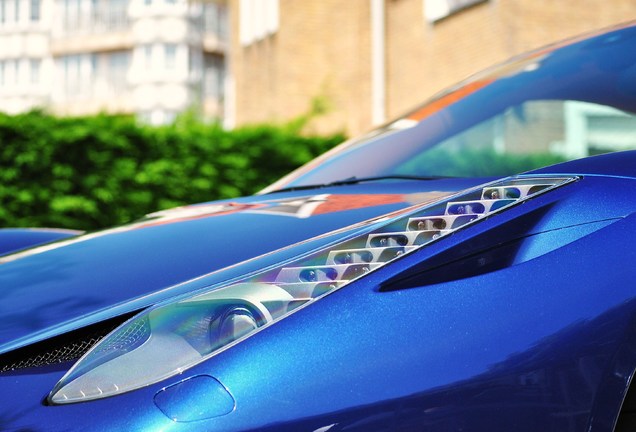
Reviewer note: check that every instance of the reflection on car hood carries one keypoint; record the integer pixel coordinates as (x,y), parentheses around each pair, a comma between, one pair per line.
(54,288)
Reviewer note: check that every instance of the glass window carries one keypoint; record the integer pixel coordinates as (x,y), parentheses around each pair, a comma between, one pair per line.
(71,15)
(94,61)
(35,10)
(110,69)
(11,71)
(170,53)
(210,17)
(118,62)
(35,70)
(74,82)
(146,55)
(16,10)
(214,74)
(3,11)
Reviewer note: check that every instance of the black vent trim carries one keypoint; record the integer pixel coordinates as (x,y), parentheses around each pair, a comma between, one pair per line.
(60,349)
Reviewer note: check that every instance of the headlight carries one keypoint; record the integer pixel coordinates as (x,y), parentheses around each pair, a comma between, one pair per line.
(167,339)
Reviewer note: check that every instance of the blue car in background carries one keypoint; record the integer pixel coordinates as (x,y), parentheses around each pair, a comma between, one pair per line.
(470,266)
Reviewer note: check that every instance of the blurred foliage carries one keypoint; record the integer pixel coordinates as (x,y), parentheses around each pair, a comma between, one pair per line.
(92,172)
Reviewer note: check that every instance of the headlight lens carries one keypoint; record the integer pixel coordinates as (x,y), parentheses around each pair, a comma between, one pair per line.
(165,340)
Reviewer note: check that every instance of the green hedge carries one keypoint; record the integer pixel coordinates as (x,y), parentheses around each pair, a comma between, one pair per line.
(92,172)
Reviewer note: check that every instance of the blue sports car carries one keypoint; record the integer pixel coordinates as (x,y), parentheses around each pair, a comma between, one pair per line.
(470,266)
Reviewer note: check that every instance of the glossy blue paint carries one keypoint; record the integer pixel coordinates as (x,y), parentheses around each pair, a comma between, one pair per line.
(15,239)
(124,269)
(610,164)
(181,402)
(474,354)
(523,340)
(523,321)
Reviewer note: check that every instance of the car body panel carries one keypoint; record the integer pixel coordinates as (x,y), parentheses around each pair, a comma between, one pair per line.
(524,320)
(130,267)
(15,239)
(443,388)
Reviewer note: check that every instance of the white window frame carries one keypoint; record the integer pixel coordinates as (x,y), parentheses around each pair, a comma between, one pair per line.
(435,10)
(170,55)
(258,19)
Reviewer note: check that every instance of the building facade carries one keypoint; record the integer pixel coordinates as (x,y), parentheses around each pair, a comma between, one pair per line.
(153,58)
(358,63)
(368,61)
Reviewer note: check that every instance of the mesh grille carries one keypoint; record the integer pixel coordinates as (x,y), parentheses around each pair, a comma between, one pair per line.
(60,349)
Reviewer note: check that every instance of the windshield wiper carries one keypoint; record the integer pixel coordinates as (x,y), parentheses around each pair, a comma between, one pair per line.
(356,180)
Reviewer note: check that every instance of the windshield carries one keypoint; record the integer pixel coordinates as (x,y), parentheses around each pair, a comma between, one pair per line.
(525,137)
(551,106)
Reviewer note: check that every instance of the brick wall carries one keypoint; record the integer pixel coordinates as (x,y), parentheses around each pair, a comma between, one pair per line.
(323,49)
(424,58)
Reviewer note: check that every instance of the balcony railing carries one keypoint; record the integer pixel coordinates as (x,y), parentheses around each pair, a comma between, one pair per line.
(214,20)
(102,18)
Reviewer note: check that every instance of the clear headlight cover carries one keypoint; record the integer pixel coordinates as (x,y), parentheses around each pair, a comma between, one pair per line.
(165,340)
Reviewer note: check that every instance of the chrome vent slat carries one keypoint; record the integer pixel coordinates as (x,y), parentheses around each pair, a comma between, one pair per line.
(324,273)
(308,290)
(366,255)
(342,265)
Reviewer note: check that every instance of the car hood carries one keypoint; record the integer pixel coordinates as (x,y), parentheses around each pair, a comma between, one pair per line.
(58,287)
(62,286)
